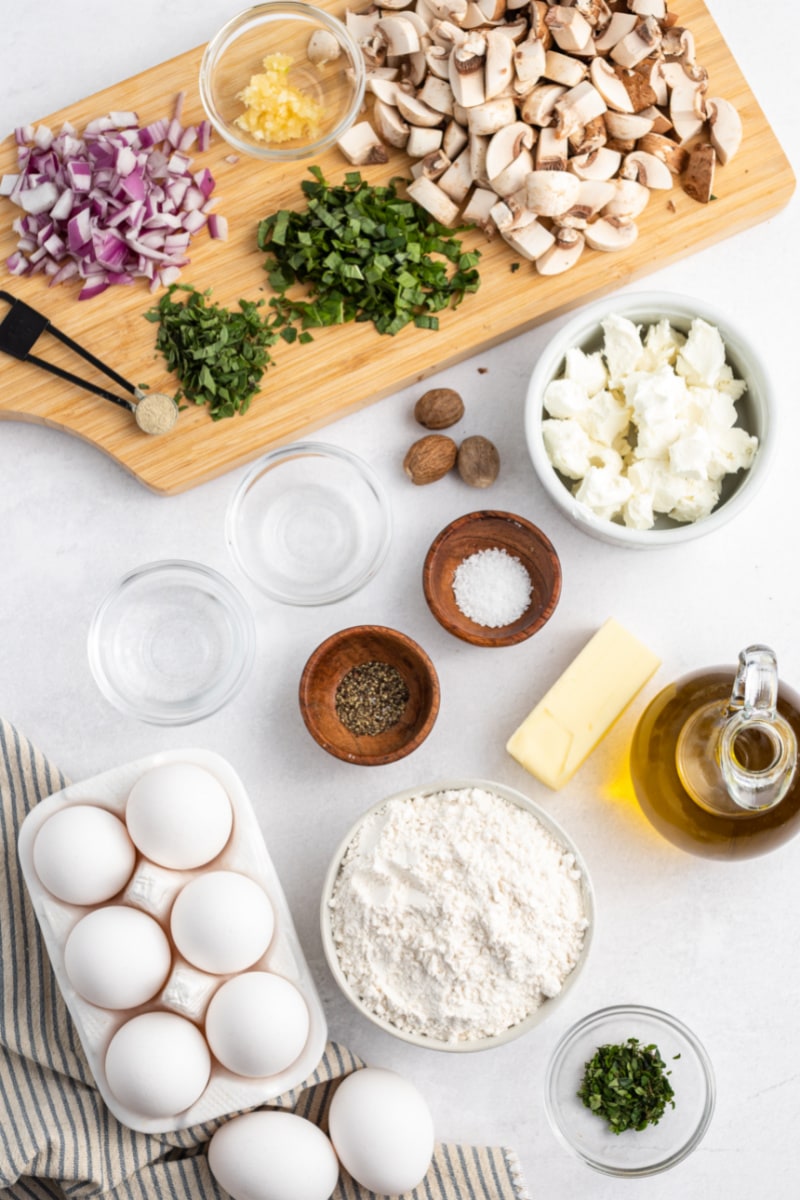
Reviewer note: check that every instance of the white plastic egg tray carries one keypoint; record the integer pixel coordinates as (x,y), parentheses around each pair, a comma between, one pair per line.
(187,991)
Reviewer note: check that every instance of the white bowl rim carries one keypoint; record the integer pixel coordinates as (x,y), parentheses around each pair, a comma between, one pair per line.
(550,823)
(643,305)
(297,450)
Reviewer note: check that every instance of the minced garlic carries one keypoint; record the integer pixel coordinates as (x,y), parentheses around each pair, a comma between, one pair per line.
(275,110)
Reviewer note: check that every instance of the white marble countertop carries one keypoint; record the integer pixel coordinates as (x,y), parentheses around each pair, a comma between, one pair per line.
(715,944)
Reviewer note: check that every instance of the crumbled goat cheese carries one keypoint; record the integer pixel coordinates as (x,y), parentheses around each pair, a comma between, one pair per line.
(647,425)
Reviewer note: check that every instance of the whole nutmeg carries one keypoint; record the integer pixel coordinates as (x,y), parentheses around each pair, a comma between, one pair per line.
(439,408)
(478,461)
(430,458)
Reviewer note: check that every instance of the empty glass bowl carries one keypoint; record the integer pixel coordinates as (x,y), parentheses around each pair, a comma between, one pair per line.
(309,524)
(171,643)
(325,69)
(634,1152)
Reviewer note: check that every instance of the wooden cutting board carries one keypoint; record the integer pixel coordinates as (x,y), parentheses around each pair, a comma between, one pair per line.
(348,366)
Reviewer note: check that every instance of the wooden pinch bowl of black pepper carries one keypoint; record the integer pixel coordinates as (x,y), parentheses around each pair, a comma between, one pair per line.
(498,550)
(369,695)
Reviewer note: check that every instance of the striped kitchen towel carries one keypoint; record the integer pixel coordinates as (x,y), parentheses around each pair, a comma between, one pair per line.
(58,1139)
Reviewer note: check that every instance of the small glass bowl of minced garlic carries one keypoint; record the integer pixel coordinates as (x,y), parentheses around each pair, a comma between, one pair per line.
(282,81)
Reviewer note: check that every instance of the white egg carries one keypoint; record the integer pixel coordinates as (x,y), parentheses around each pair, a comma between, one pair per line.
(83,855)
(179,815)
(222,922)
(382,1130)
(273,1156)
(257,1024)
(157,1064)
(117,957)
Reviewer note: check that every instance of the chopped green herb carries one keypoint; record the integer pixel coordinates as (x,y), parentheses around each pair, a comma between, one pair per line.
(514,267)
(219,355)
(627,1085)
(364,254)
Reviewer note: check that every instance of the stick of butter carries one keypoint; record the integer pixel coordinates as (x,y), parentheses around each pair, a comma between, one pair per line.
(581,706)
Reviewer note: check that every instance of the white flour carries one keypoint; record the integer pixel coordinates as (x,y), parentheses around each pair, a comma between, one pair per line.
(455,914)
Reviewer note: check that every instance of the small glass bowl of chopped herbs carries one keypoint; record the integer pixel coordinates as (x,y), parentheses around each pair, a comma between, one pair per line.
(282,80)
(630,1090)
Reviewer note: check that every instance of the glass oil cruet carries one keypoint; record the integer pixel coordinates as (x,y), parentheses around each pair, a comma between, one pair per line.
(714,759)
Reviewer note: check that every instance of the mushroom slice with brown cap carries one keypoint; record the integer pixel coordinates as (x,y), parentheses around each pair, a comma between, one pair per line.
(466,71)
(646,169)
(641,93)
(390,124)
(479,208)
(430,196)
(686,100)
(591,136)
(563,68)
(448,10)
(438,61)
(423,142)
(698,178)
(611,233)
(457,179)
(539,105)
(725,128)
(577,106)
(495,114)
(550,193)
(454,139)
(627,127)
(630,198)
(477,146)
(551,150)
(492,10)
(640,43)
(498,71)
(505,146)
(531,240)
(593,195)
(414,68)
(416,112)
(563,254)
(618,27)
(570,29)
(437,94)
(610,86)
(384,89)
(399,35)
(602,163)
(432,165)
(670,153)
(649,8)
(530,57)
(360,145)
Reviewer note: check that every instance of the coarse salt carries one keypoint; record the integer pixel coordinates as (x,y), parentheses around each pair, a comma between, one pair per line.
(492,588)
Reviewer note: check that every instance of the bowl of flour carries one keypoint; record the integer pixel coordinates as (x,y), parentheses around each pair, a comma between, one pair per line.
(457,916)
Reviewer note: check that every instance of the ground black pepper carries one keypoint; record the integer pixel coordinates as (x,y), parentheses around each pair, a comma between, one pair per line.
(371,698)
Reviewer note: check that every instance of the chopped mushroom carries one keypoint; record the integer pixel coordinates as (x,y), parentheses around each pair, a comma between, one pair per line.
(698,178)
(550,122)
(360,145)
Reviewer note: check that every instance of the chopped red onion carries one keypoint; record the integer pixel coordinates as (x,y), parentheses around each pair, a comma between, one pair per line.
(112,204)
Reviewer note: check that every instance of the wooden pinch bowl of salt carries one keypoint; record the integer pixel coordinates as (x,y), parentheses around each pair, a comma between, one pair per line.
(492,578)
(369,695)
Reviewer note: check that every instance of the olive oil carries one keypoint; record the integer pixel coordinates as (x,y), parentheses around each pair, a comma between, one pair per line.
(668,805)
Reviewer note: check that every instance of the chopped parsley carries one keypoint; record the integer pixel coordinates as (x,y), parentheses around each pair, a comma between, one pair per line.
(363,253)
(627,1085)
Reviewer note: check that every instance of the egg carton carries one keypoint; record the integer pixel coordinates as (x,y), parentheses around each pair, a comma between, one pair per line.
(187,991)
